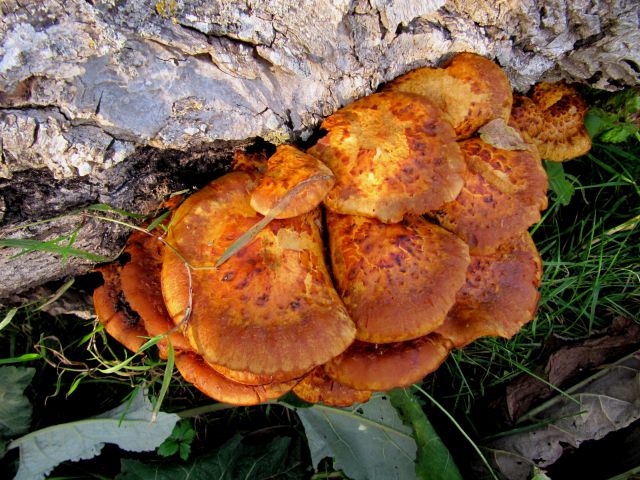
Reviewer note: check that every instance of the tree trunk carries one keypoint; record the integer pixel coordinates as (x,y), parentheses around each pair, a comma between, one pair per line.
(123,102)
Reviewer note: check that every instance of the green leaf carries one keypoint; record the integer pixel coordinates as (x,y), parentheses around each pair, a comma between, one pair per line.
(234,460)
(619,133)
(30,245)
(15,409)
(367,441)
(127,426)
(559,184)
(433,459)
(179,440)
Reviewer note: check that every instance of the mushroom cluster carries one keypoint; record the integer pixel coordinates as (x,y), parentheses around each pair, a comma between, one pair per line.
(427,248)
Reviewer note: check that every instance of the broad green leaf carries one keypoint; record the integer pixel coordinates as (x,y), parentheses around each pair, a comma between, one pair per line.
(15,409)
(367,441)
(234,460)
(179,441)
(619,133)
(559,184)
(127,426)
(433,459)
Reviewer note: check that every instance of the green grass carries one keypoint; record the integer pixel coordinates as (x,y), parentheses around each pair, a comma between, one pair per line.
(591,256)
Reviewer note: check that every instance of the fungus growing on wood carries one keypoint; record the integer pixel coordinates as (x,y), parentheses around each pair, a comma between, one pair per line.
(398,281)
(257,309)
(470,91)
(370,366)
(503,194)
(392,155)
(500,294)
(553,120)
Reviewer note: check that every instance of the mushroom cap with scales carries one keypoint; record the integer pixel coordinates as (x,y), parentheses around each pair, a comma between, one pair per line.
(503,194)
(299,180)
(392,155)
(470,91)
(271,308)
(561,134)
(500,294)
(397,280)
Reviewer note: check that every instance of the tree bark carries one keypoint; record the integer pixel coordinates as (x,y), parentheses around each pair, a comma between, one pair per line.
(122,102)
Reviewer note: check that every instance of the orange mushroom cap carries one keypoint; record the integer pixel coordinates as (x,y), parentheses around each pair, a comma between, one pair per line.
(318,387)
(271,308)
(471,90)
(140,280)
(370,366)
(398,281)
(290,172)
(196,371)
(119,320)
(504,192)
(526,117)
(562,135)
(500,294)
(392,154)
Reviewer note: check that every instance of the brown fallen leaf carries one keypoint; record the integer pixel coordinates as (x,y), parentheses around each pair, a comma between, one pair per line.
(500,135)
(605,402)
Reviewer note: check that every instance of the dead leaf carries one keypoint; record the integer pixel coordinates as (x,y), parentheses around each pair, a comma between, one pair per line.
(607,401)
(500,135)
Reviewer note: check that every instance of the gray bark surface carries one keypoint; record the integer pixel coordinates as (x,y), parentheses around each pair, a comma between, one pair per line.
(122,102)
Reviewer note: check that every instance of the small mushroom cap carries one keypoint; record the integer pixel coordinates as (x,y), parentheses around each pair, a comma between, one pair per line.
(290,172)
(196,371)
(504,192)
(119,320)
(318,387)
(271,308)
(398,281)
(563,135)
(500,294)
(370,366)
(140,280)
(470,91)
(392,154)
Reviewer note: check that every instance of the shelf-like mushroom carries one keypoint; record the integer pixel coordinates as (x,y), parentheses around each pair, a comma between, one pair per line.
(271,309)
(294,183)
(371,366)
(195,370)
(471,90)
(500,294)
(113,311)
(392,155)
(503,194)
(398,281)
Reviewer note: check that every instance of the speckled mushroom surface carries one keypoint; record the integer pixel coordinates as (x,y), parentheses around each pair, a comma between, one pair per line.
(470,91)
(392,155)
(271,308)
(398,281)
